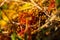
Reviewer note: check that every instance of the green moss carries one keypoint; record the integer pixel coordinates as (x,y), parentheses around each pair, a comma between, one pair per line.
(0,14)
(5,6)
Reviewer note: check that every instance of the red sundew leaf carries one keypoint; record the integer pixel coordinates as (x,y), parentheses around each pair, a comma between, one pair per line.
(52,5)
(22,18)
(23,21)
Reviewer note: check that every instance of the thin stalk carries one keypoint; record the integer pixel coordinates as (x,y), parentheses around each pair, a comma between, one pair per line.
(39,7)
(3,3)
(36,5)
